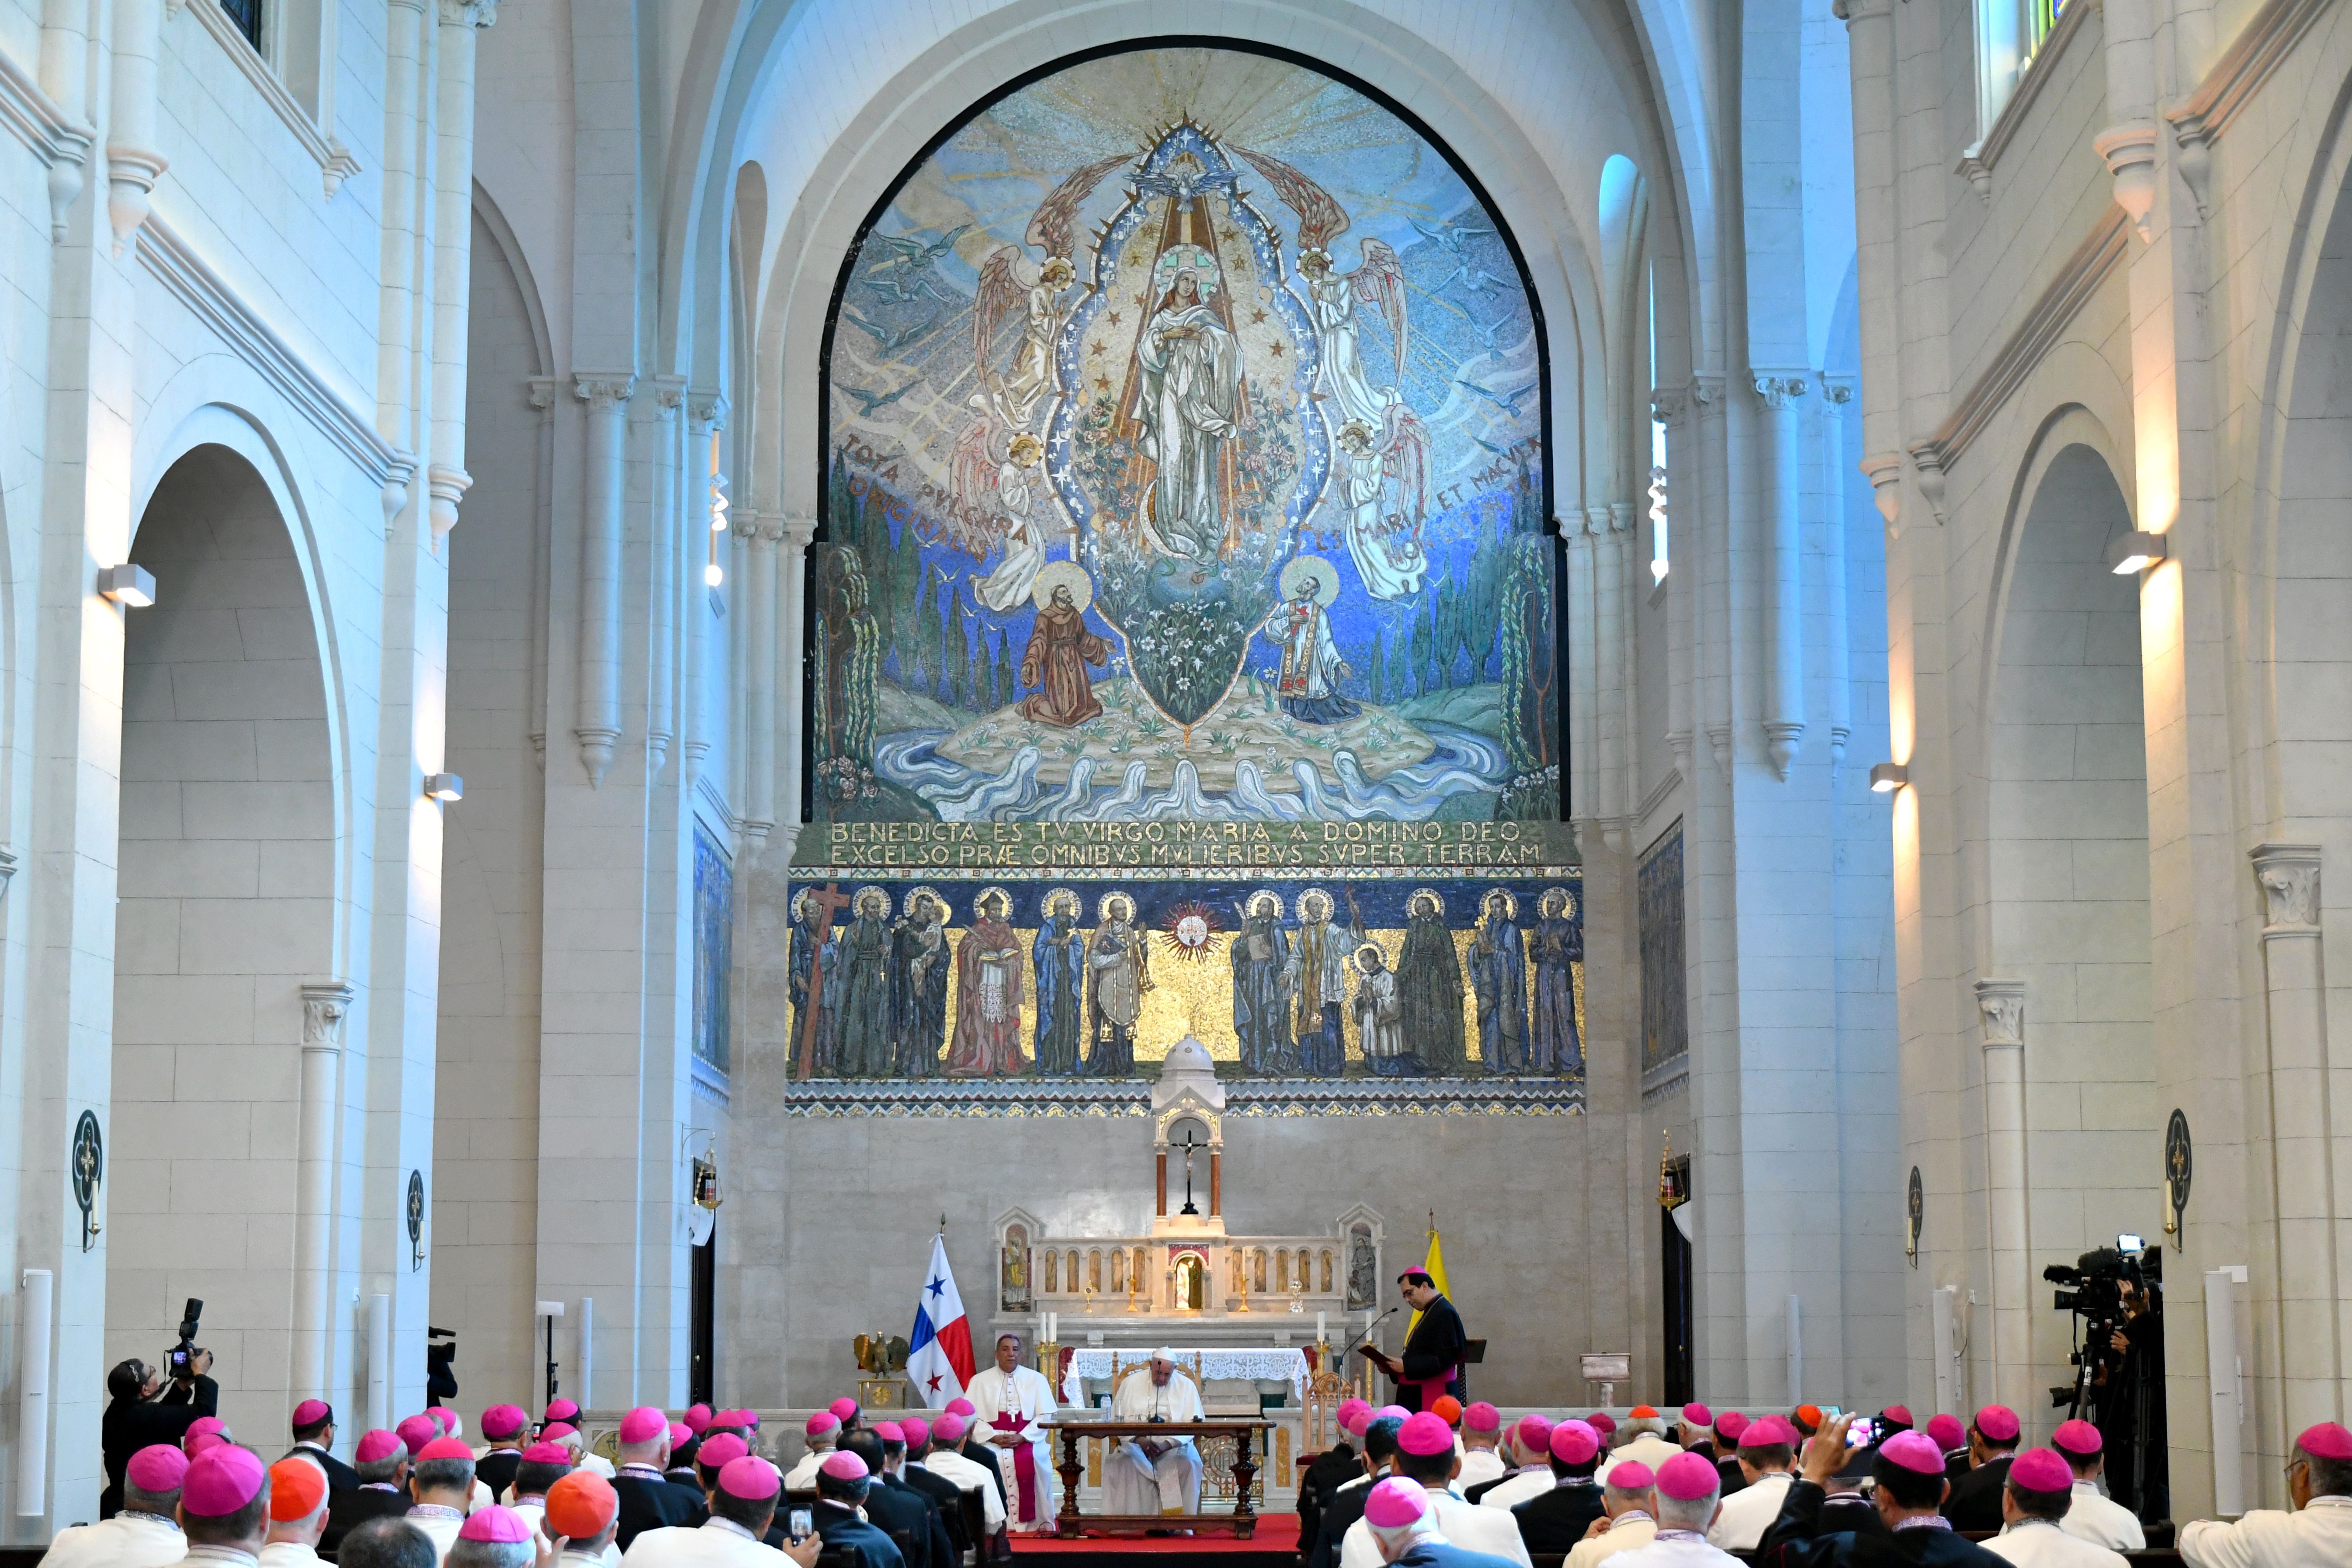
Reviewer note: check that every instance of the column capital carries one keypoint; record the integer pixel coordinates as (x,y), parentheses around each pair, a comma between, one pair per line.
(539,391)
(1596,519)
(707,407)
(1778,390)
(1853,11)
(1621,517)
(796,529)
(325,1005)
(2288,875)
(1707,392)
(2000,1012)
(670,392)
(469,12)
(604,389)
(1837,389)
(1670,405)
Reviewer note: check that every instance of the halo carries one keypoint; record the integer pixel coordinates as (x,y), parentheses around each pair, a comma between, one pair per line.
(1187,258)
(1329,908)
(1249,904)
(1102,905)
(1357,428)
(982,898)
(1027,441)
(1062,574)
(793,909)
(1061,264)
(1327,581)
(907,907)
(857,899)
(1510,903)
(1436,897)
(1054,895)
(1357,958)
(1566,898)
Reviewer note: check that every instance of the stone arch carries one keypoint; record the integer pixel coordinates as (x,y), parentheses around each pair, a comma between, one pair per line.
(228,897)
(2068,867)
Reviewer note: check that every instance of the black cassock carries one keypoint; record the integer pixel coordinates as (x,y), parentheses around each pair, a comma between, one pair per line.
(1433,1349)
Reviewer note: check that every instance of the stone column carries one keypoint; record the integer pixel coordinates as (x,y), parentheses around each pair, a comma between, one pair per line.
(2310,1358)
(670,471)
(758,739)
(396,296)
(325,1005)
(1835,395)
(1710,538)
(1671,408)
(452,241)
(782,664)
(1783,590)
(706,416)
(2000,1010)
(133,164)
(597,726)
(1576,604)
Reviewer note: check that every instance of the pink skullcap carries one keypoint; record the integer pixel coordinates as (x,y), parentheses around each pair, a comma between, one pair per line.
(417,1431)
(1948,1431)
(1916,1452)
(2078,1437)
(1350,1407)
(822,1422)
(504,1421)
(1729,1426)
(844,1409)
(197,1443)
(547,1454)
(1396,1503)
(1998,1422)
(310,1412)
(949,1428)
(643,1425)
(559,1429)
(845,1466)
(157,1470)
(751,1419)
(222,1479)
(917,1431)
(1899,1413)
(1601,1421)
(204,1427)
(1385,1411)
(2326,1441)
(562,1410)
(1572,1442)
(1768,1430)
(2043,1470)
(376,1445)
(446,1449)
(698,1417)
(889,1431)
(2039,1470)
(1632,1476)
(1698,1414)
(1686,1477)
(718,1453)
(1482,1417)
(961,1407)
(502,1526)
(1534,1432)
(751,1478)
(679,1435)
(1425,1434)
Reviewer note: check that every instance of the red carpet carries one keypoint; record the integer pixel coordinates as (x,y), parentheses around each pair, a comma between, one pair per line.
(1276,1545)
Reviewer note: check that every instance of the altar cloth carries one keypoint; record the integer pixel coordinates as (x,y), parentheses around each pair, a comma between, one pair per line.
(1265,1363)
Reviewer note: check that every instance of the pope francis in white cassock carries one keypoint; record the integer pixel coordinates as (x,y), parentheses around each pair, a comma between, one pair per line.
(1147,1476)
(1009,1401)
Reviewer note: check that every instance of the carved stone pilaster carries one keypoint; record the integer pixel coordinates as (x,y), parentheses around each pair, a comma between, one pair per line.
(2000,1014)
(2288,876)
(325,1005)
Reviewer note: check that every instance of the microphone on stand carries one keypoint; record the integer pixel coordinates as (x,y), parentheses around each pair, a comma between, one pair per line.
(1375,1323)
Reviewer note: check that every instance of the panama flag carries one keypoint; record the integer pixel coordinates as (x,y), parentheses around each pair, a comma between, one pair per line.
(939,1355)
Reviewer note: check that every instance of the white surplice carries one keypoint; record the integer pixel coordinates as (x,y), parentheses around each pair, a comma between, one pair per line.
(1134,1484)
(1025,1394)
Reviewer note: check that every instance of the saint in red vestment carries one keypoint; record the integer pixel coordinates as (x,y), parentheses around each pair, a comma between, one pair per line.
(988,1002)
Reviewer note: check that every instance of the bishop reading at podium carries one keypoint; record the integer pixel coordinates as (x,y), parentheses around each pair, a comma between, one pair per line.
(1147,1476)
(1433,1351)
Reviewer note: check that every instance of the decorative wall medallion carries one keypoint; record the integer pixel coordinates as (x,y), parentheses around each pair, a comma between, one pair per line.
(2177,1164)
(88,1170)
(1916,1206)
(416,1221)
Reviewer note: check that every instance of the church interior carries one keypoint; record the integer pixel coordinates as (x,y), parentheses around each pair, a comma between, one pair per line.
(685,681)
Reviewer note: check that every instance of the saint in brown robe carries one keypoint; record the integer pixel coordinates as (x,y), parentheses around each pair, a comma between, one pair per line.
(1060,649)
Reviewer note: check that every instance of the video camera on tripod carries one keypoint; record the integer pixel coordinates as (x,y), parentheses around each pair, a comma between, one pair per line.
(2102,1307)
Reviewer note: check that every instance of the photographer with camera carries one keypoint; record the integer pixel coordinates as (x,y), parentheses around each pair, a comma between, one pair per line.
(154,1405)
(2116,1294)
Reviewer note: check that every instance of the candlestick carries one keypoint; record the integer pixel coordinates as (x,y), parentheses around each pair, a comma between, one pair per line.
(1318,1328)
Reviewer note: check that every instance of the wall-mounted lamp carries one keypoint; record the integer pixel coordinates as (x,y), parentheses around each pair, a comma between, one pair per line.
(1885,778)
(127,584)
(445,786)
(2134,552)
(714,574)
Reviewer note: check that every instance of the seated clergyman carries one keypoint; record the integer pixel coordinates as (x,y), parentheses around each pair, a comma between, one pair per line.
(1154,1475)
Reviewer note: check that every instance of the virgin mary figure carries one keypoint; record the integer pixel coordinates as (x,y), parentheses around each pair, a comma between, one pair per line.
(1190,370)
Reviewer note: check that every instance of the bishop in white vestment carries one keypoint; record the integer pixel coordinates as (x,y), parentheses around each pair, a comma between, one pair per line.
(1154,1476)
(1009,1401)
